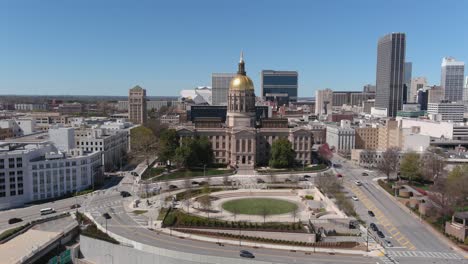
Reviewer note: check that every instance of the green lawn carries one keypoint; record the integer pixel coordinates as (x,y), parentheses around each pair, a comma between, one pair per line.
(180,174)
(255,206)
(317,167)
(151,172)
(139,212)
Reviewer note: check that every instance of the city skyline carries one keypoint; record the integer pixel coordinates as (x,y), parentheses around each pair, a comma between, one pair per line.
(51,49)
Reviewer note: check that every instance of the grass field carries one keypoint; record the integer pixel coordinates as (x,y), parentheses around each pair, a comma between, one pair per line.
(256,206)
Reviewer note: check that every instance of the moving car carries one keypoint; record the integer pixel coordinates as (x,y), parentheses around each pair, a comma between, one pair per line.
(365,174)
(74,206)
(358,183)
(260,181)
(195,183)
(134,174)
(374,227)
(388,243)
(371,213)
(172,187)
(125,194)
(336,165)
(47,211)
(380,234)
(307,176)
(355,198)
(246,254)
(339,175)
(14,220)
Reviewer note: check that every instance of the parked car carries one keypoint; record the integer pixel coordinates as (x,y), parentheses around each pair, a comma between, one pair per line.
(307,176)
(339,175)
(380,234)
(172,187)
(358,183)
(336,165)
(374,227)
(14,220)
(388,243)
(195,183)
(365,174)
(355,198)
(134,174)
(260,181)
(287,180)
(246,254)
(125,194)
(74,206)
(371,213)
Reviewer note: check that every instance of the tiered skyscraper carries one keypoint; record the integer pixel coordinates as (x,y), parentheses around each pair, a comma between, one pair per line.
(390,72)
(452,79)
(279,86)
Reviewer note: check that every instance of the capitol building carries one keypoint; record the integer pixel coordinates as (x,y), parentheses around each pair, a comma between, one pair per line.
(244,140)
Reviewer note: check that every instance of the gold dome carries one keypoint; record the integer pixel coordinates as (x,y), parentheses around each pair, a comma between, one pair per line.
(241,83)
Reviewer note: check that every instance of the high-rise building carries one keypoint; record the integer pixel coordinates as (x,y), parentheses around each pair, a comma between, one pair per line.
(416,84)
(369,88)
(451,80)
(323,101)
(279,86)
(407,82)
(137,105)
(220,87)
(446,111)
(423,98)
(465,91)
(390,72)
(436,94)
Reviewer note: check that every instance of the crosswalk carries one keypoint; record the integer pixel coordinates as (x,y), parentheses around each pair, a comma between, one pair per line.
(139,219)
(388,260)
(90,207)
(424,254)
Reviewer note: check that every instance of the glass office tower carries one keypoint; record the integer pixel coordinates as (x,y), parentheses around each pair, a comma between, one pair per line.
(279,86)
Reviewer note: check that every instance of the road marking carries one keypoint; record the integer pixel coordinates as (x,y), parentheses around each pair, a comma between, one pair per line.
(380,216)
(423,254)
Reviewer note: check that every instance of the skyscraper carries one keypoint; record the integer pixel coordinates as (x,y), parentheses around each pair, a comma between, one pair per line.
(220,87)
(451,80)
(465,91)
(416,84)
(279,86)
(390,72)
(407,82)
(137,105)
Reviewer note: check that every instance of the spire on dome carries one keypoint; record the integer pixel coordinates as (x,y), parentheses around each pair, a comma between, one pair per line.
(241,69)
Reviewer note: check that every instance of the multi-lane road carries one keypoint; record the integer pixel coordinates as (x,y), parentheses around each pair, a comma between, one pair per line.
(411,239)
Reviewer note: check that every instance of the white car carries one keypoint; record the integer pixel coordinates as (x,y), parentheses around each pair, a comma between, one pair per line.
(355,198)
(358,183)
(388,243)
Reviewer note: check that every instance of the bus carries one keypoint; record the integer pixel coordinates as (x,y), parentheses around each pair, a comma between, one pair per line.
(47,211)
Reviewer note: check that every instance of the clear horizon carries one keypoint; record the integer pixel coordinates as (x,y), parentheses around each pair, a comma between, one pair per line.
(105,48)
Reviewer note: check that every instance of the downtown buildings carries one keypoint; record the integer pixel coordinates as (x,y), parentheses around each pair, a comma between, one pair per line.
(137,105)
(220,87)
(451,79)
(279,86)
(390,73)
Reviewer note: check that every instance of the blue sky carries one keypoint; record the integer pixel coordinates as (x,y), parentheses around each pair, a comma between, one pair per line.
(104,47)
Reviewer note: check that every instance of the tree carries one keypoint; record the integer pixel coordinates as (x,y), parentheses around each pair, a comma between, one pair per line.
(194,152)
(325,153)
(183,153)
(328,183)
(282,154)
(457,182)
(235,211)
(205,202)
(432,166)
(294,213)
(143,141)
(368,158)
(187,199)
(410,166)
(168,143)
(389,162)
(264,212)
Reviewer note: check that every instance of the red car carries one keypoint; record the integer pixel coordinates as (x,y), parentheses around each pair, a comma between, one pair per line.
(339,175)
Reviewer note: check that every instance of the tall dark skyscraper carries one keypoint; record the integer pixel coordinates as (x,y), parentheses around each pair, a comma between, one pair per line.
(390,72)
(279,86)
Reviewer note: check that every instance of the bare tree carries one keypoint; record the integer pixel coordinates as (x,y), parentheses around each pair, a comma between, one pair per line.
(205,202)
(389,162)
(235,211)
(187,183)
(264,212)
(368,158)
(187,199)
(433,166)
(295,213)
(226,181)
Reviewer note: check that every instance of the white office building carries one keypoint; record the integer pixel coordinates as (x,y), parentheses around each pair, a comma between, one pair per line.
(446,111)
(113,144)
(32,172)
(341,137)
